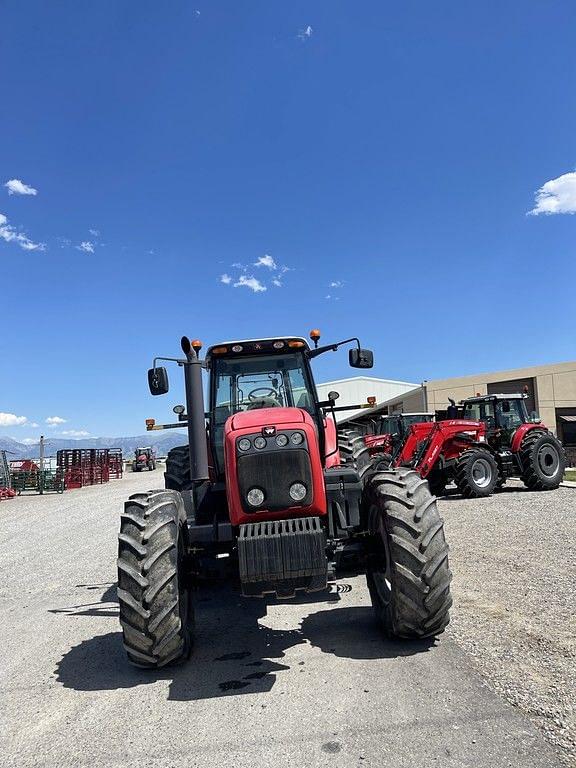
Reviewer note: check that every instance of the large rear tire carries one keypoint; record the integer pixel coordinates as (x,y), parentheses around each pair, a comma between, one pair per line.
(408,573)
(543,461)
(153,579)
(476,473)
(354,452)
(177,474)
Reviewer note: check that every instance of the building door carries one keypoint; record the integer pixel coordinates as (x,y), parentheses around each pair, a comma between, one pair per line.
(515,386)
(566,425)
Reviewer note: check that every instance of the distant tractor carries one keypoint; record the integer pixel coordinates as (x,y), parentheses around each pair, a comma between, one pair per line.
(493,440)
(390,432)
(262,485)
(144,458)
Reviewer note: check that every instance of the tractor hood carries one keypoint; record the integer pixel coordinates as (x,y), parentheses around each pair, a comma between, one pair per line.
(260,417)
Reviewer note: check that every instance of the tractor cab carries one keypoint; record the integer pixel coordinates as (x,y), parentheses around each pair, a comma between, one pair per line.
(391,431)
(502,414)
(254,375)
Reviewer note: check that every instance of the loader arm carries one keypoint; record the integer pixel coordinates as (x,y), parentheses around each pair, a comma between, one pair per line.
(429,443)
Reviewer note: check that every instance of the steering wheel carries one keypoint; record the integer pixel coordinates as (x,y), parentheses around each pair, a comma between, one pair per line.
(266,392)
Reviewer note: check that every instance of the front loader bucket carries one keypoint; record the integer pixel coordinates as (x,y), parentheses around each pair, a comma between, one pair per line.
(282,556)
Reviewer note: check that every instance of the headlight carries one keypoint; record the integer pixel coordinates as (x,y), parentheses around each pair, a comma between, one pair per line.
(255,497)
(297,491)
(244,444)
(260,443)
(281,440)
(297,438)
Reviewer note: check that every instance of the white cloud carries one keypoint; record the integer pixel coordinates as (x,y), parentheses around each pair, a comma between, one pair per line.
(226,279)
(277,283)
(266,261)
(557,196)
(10,235)
(250,282)
(53,421)
(328,296)
(94,232)
(33,424)
(75,433)
(86,246)
(17,187)
(336,284)
(11,420)
(305,33)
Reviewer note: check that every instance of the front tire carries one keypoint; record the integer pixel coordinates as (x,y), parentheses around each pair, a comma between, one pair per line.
(543,461)
(476,473)
(153,582)
(408,573)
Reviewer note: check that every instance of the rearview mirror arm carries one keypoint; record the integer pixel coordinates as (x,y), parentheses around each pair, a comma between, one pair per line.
(177,360)
(331,347)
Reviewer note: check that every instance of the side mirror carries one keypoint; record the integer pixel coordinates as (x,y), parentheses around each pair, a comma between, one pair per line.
(333,396)
(158,381)
(361,358)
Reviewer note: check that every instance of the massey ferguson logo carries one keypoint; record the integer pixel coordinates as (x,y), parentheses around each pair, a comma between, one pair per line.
(268,431)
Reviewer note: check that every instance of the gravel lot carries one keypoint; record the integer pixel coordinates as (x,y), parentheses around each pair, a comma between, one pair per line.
(514,562)
(309,682)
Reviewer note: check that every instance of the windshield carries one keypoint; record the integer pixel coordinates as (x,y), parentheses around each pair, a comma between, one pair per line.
(481,411)
(247,383)
(511,413)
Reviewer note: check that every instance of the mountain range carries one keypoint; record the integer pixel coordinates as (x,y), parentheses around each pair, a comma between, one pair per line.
(161,443)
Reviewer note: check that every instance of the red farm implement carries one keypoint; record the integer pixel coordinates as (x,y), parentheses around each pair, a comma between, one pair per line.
(6,490)
(115,463)
(84,466)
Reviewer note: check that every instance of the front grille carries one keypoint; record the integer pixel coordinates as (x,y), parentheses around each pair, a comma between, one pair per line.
(274,472)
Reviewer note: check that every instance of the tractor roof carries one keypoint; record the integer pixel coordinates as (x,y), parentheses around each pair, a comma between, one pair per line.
(273,345)
(412,413)
(486,398)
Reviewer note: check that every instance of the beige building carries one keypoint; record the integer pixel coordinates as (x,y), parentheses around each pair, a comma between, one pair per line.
(551,391)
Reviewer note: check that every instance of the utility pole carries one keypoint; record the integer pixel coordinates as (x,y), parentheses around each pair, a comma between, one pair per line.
(41,483)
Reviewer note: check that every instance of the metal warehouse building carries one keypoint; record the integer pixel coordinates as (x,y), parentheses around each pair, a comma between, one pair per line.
(358,388)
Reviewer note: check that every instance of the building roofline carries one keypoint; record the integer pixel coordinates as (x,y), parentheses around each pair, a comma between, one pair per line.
(509,373)
(370,378)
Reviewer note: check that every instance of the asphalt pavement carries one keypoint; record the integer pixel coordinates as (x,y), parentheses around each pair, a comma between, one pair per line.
(296,683)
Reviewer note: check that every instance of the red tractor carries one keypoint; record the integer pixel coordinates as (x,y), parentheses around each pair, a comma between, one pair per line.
(144,458)
(390,432)
(493,439)
(261,485)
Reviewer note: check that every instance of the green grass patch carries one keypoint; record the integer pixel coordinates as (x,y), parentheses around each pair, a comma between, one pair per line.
(570,475)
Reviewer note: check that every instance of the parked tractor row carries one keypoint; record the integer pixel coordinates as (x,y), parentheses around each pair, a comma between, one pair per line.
(264,486)
(480,443)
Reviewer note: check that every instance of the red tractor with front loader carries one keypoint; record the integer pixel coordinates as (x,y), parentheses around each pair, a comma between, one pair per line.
(492,439)
(262,483)
(390,432)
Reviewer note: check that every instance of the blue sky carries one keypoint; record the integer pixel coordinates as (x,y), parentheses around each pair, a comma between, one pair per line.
(392,150)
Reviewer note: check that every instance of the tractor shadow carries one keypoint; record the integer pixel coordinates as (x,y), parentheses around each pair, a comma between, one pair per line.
(106,606)
(234,652)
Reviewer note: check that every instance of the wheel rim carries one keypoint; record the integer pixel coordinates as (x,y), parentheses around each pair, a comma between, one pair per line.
(481,473)
(548,460)
(183,586)
(381,571)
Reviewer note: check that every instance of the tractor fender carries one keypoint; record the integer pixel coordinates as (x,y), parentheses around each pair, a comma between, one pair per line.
(331,441)
(521,433)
